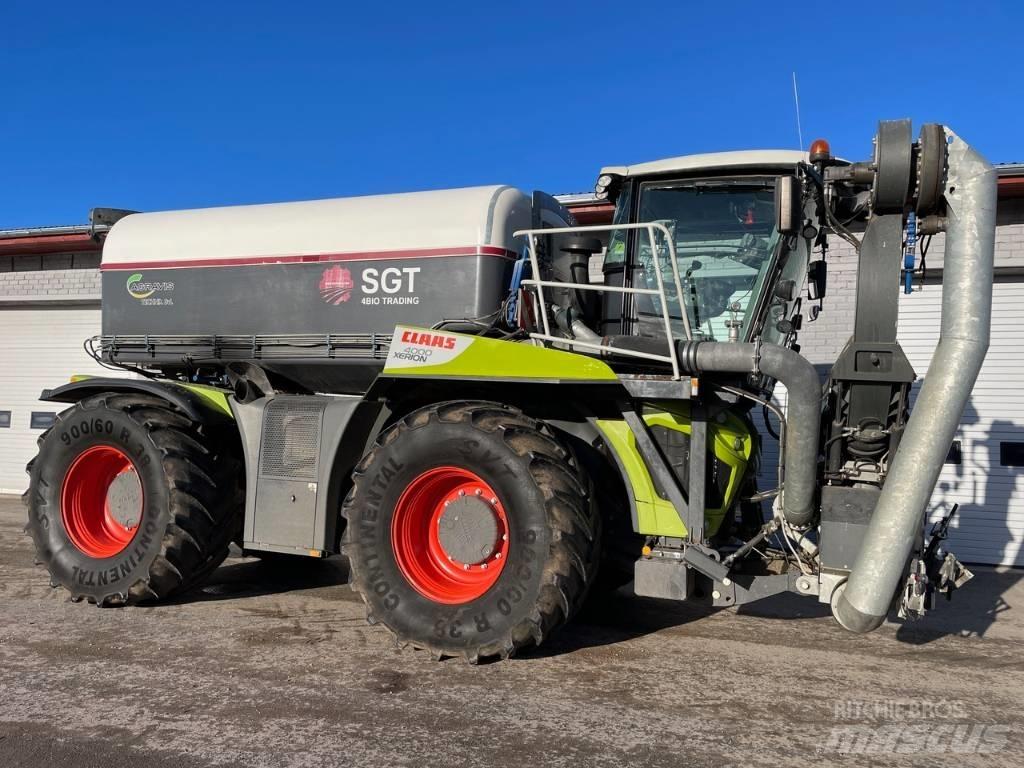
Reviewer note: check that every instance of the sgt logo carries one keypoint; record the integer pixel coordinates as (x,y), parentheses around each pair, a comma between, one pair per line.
(336,285)
(380,286)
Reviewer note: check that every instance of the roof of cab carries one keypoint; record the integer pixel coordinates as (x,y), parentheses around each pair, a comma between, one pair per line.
(713,161)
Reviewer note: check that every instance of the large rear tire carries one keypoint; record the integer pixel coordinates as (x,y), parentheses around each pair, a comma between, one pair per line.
(470,531)
(129,500)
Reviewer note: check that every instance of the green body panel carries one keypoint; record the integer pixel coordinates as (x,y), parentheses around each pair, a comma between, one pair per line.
(733,444)
(215,397)
(477,357)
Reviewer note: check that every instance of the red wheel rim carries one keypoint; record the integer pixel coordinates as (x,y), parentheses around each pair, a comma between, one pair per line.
(86,502)
(418,541)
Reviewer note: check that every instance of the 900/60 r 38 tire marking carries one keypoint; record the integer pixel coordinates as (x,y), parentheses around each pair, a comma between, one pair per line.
(541,503)
(129,500)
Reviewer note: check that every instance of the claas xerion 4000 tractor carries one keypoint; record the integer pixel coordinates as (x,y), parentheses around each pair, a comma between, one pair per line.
(444,387)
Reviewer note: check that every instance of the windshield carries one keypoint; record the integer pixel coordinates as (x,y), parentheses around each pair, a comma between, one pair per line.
(725,238)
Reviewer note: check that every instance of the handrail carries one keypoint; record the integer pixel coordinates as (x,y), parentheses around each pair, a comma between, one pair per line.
(651,228)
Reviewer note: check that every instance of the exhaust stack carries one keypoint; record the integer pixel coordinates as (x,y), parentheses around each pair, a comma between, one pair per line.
(862,603)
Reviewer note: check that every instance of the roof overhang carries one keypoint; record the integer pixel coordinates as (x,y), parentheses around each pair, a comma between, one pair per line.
(77,238)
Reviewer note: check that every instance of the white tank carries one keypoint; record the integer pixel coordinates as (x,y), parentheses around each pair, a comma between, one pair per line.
(348,227)
(310,290)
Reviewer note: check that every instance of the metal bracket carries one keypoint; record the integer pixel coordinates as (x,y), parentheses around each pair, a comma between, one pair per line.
(655,461)
(690,510)
(702,563)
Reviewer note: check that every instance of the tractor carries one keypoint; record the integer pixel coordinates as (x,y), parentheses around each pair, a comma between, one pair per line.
(495,413)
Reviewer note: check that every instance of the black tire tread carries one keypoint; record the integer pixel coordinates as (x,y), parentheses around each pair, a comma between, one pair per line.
(575,546)
(206,500)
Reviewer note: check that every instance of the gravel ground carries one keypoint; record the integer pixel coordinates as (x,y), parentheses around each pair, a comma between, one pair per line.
(274,665)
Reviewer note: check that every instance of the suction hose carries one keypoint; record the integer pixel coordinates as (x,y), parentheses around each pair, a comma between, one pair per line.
(803,410)
(966,315)
(803,418)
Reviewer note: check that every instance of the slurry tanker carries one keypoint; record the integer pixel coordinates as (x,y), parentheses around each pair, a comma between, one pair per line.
(494,413)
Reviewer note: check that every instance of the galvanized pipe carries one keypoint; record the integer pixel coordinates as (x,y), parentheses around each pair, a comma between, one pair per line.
(896,524)
(803,410)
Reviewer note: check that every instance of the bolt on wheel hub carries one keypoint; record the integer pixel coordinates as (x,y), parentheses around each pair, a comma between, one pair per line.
(468,530)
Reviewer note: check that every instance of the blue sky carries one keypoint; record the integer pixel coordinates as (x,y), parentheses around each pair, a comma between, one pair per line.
(171,105)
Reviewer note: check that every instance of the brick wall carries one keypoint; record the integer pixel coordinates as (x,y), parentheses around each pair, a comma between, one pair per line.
(50,277)
(822,340)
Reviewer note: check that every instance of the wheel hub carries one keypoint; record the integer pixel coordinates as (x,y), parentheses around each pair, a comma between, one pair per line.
(468,530)
(450,535)
(124,499)
(101,501)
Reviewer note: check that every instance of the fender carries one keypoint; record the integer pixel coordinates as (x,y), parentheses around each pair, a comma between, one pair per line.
(199,402)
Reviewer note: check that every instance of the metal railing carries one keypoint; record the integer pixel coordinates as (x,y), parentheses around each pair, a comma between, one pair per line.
(651,228)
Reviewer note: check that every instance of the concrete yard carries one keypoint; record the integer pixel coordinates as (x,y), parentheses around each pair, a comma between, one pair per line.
(273,665)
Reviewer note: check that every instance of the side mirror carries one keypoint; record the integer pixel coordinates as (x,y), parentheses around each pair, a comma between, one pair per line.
(817,279)
(788,211)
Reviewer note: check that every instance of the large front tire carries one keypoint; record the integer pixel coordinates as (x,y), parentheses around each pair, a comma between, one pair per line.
(129,500)
(470,531)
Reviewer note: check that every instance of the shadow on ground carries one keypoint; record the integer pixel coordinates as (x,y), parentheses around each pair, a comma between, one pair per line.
(619,616)
(256,577)
(971,613)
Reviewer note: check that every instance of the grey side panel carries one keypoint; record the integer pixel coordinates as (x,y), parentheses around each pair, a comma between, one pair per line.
(302,298)
(249,418)
(299,452)
(845,515)
(286,480)
(350,426)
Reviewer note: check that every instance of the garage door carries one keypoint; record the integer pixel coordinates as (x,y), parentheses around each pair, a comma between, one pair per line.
(39,347)
(986,464)
(984,470)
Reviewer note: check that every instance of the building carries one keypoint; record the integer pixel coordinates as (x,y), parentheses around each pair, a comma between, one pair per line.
(50,304)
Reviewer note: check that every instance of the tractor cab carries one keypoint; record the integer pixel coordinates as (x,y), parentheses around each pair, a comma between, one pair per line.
(740,278)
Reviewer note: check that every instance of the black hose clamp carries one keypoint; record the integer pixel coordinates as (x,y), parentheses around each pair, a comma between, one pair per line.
(686,351)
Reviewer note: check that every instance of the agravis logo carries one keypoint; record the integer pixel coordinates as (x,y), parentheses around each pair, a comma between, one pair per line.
(137,288)
(144,289)
(336,285)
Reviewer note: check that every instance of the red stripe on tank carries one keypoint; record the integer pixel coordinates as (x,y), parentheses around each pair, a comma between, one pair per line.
(316,258)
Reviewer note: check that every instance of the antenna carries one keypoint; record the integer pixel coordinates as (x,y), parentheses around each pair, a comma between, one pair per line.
(796,101)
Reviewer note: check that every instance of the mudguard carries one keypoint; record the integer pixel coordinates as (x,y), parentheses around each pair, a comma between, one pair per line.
(200,402)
